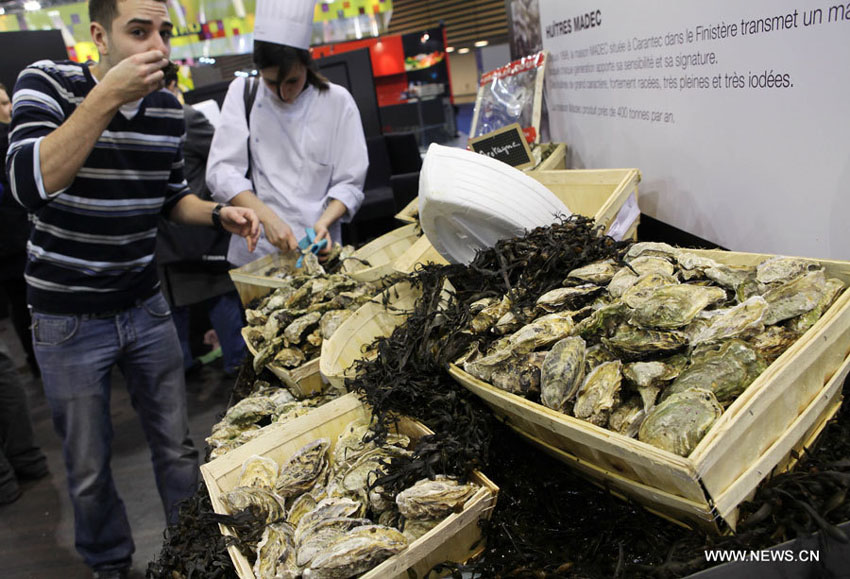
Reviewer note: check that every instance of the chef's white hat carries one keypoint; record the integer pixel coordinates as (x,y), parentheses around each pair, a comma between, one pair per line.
(288,22)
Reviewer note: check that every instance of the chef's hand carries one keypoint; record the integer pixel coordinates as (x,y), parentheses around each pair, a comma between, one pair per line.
(279,233)
(242,222)
(321,229)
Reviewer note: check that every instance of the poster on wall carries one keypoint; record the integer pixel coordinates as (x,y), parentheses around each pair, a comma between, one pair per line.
(735,112)
(524,27)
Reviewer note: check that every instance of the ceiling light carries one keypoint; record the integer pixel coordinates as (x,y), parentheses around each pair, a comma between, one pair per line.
(450,49)
(2,10)
(32,5)
(463,51)
(481,43)
(425,38)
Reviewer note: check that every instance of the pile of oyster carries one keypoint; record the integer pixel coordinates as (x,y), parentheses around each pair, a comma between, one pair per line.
(655,347)
(288,326)
(338,255)
(266,404)
(322,521)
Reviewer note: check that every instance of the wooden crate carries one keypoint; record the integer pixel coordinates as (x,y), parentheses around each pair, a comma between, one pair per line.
(556,161)
(372,320)
(456,539)
(382,253)
(250,281)
(304,381)
(776,418)
(410,213)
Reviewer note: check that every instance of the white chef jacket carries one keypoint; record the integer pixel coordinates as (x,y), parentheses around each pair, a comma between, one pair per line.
(303,155)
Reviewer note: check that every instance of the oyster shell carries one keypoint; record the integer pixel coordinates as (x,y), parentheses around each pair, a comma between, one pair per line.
(602,321)
(255,317)
(268,352)
(258,471)
(697,264)
(488,316)
(649,377)
(730,276)
(630,341)
(795,297)
(622,281)
(359,550)
(644,288)
(599,273)
(679,422)
(322,535)
(300,507)
(832,289)
(359,476)
(597,355)
(302,469)
(541,332)
(276,554)
(479,305)
(507,324)
(599,393)
(250,410)
(562,372)
(782,269)
(332,320)
(651,248)
(674,306)
(300,327)
(736,321)
(263,502)
(431,499)
(289,358)
(771,343)
(328,508)
(725,370)
(627,417)
(647,264)
(519,374)
(557,298)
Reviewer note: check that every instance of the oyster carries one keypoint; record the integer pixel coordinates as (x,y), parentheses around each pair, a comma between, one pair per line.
(541,332)
(300,327)
(268,352)
(414,529)
(479,305)
(730,276)
(519,374)
(832,289)
(597,355)
(647,264)
(303,468)
(651,248)
(315,338)
(679,422)
(622,281)
(644,288)
(255,317)
(674,306)
(332,320)
(562,372)
(795,297)
(431,499)
(630,341)
(694,263)
(555,299)
(603,321)
(258,471)
(782,269)
(362,473)
(599,393)
(276,554)
(322,535)
(300,507)
(487,317)
(771,343)
(649,377)
(358,551)
(507,324)
(263,502)
(599,273)
(289,358)
(736,321)
(329,508)
(250,410)
(627,417)
(725,370)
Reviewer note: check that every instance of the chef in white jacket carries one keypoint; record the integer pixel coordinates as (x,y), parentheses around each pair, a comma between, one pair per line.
(307,148)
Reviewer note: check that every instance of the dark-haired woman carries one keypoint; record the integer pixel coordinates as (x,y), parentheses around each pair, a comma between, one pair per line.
(307,150)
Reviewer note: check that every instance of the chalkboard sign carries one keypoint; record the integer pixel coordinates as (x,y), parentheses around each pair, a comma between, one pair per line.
(507,144)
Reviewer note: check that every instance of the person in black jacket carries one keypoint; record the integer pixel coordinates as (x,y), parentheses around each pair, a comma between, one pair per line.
(193,261)
(14,233)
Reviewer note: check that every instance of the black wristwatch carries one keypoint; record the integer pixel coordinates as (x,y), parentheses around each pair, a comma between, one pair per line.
(216,216)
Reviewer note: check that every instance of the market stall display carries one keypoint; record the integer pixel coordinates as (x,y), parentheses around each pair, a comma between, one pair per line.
(721,364)
(324,452)
(375,259)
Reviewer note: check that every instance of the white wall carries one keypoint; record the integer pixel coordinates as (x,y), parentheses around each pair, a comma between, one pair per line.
(753,169)
(495,56)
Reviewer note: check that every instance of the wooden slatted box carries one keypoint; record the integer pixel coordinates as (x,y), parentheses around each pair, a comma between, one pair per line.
(774,420)
(456,539)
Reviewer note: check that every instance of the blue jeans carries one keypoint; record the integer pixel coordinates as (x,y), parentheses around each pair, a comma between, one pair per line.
(225,313)
(76,354)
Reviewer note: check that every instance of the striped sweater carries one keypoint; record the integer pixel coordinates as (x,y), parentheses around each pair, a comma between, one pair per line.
(92,246)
